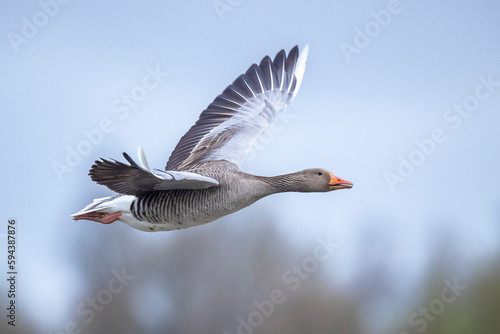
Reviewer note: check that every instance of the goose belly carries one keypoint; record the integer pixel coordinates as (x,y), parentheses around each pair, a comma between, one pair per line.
(178,209)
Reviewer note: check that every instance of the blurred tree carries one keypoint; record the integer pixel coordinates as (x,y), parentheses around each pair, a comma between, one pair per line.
(475,310)
(201,281)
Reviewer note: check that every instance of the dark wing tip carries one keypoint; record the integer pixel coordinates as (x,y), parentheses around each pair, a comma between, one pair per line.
(130,160)
(291,60)
(117,176)
(280,58)
(101,169)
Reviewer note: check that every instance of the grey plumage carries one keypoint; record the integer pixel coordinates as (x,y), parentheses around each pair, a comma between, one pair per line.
(181,208)
(202,180)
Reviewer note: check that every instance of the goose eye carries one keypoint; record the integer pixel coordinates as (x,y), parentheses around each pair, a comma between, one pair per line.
(320,173)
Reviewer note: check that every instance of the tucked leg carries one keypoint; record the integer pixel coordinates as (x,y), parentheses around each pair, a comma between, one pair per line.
(100,217)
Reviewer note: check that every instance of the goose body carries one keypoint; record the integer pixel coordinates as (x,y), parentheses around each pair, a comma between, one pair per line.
(202,180)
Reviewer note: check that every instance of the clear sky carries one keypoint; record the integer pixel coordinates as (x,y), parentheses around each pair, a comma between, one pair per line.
(400,97)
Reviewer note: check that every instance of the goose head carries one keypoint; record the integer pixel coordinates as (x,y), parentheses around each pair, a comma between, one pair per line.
(322,180)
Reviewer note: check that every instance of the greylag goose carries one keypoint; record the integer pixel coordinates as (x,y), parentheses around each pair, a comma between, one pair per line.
(202,180)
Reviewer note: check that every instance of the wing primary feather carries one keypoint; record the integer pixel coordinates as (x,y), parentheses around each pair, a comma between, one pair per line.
(236,118)
(234,90)
(264,68)
(258,78)
(228,99)
(291,63)
(300,68)
(267,64)
(279,64)
(130,161)
(253,74)
(250,88)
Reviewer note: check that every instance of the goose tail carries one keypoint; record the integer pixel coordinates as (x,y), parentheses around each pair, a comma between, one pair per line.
(105,210)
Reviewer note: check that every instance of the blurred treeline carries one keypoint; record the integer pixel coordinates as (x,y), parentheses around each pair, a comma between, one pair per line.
(201,281)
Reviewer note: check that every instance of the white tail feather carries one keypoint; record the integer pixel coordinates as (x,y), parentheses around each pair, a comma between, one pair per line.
(108,205)
(142,159)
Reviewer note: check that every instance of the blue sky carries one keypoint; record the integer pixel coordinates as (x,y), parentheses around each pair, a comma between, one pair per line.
(357,115)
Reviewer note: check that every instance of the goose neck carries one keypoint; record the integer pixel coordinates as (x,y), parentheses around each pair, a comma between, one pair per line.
(286,183)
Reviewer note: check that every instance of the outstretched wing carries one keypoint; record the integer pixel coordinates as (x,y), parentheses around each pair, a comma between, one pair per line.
(230,125)
(135,180)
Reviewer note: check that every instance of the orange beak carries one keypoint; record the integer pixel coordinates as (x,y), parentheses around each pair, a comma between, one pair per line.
(338,183)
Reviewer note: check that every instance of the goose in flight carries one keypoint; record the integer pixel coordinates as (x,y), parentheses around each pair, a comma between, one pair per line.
(202,180)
